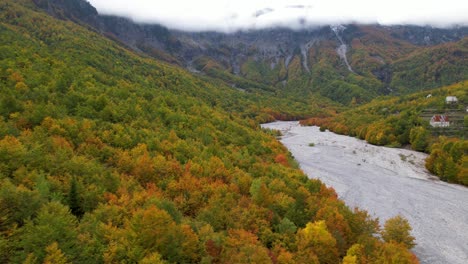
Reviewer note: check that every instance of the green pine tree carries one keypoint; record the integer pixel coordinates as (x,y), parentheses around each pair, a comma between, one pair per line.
(74,200)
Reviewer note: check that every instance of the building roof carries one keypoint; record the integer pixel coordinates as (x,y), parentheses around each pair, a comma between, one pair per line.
(439,118)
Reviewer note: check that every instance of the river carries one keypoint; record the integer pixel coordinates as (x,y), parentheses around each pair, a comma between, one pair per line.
(386,182)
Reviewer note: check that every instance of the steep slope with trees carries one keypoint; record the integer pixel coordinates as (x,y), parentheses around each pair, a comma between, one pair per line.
(377,60)
(109,157)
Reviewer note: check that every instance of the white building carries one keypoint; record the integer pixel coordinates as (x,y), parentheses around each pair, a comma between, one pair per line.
(451,100)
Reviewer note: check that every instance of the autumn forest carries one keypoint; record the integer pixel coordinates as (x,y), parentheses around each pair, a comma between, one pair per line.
(108,155)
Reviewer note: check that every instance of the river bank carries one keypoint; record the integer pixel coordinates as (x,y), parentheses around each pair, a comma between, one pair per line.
(386,182)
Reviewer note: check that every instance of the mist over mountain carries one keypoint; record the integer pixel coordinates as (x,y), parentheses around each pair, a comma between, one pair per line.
(230,16)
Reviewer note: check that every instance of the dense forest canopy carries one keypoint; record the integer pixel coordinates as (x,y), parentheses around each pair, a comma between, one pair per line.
(110,157)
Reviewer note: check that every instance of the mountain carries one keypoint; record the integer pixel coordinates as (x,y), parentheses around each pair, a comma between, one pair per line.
(110,156)
(346,63)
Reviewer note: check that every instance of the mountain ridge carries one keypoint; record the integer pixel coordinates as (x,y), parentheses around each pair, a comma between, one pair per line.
(294,62)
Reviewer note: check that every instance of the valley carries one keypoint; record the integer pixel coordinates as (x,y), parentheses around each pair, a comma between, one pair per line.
(386,182)
(123,142)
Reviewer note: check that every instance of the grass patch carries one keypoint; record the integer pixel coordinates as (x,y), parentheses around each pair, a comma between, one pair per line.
(402,157)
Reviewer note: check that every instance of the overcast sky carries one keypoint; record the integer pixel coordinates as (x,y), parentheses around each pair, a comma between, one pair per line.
(230,15)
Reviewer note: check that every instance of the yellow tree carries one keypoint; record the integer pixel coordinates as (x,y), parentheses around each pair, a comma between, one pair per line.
(316,238)
(395,253)
(398,229)
(154,230)
(55,255)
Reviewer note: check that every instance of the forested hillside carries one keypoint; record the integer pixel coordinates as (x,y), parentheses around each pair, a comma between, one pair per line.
(110,157)
(381,62)
(350,64)
(400,121)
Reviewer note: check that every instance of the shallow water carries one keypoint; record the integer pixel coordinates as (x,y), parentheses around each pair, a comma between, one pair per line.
(386,182)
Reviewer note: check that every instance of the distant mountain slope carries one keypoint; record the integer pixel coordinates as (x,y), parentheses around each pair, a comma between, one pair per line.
(431,67)
(348,64)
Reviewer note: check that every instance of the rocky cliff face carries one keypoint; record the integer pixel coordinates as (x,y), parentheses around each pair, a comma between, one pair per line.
(363,60)
(428,36)
(269,46)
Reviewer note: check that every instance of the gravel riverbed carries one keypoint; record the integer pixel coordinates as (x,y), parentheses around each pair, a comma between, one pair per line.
(386,182)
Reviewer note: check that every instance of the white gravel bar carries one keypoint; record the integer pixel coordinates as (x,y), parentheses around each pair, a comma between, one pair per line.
(386,182)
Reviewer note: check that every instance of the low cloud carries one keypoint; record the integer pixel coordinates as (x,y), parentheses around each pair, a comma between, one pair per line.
(230,15)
